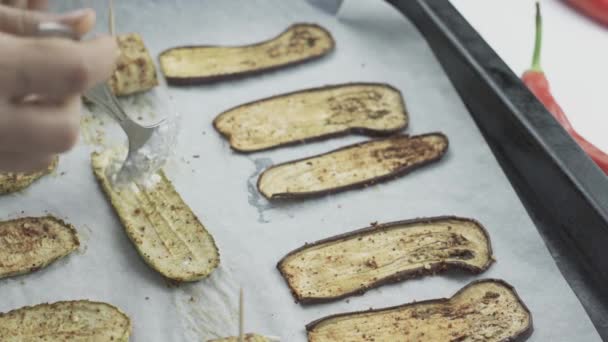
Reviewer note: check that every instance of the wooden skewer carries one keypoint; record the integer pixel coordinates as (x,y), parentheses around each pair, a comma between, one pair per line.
(111,17)
(241,317)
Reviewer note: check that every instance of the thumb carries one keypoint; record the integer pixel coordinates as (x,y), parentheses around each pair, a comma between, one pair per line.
(25,23)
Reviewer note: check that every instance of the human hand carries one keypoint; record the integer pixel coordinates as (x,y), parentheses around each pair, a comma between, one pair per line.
(26,4)
(41,83)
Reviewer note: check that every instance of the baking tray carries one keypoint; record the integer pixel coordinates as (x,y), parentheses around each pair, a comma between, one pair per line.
(564,191)
(374,43)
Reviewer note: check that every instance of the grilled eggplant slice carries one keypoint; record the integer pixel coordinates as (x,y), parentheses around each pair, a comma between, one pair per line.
(246,338)
(135,70)
(352,166)
(31,243)
(487,310)
(164,230)
(77,321)
(200,64)
(354,262)
(312,114)
(13,182)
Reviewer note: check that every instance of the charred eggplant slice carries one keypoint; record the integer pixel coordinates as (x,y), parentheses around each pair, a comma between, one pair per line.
(487,310)
(354,262)
(352,166)
(78,321)
(164,230)
(31,243)
(200,64)
(313,114)
(13,182)
(135,70)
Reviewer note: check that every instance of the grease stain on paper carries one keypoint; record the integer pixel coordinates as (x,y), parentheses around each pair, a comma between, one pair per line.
(254,197)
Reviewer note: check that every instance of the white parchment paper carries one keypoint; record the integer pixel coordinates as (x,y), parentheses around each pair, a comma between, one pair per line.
(374,43)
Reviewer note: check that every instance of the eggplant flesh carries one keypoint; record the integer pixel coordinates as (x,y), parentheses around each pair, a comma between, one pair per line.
(352,166)
(313,114)
(163,229)
(199,64)
(76,321)
(16,181)
(135,70)
(488,310)
(354,262)
(246,338)
(31,243)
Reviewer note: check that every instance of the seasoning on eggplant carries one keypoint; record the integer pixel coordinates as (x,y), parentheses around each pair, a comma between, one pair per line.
(488,310)
(200,64)
(355,262)
(312,114)
(31,243)
(16,181)
(352,166)
(164,230)
(77,321)
(135,70)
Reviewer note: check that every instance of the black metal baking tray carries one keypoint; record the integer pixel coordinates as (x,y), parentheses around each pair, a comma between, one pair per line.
(564,192)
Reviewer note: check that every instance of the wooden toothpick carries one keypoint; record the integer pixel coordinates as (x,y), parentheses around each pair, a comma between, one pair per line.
(111,17)
(241,317)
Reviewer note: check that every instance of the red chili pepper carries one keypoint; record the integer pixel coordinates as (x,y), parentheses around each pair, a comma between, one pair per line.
(536,81)
(596,9)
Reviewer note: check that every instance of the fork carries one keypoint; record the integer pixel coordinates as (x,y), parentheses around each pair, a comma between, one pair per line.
(102,96)
(137,134)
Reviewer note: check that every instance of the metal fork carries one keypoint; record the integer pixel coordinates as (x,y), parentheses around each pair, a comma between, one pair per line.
(137,134)
(102,96)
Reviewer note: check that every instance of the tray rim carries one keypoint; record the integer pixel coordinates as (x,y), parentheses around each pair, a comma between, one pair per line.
(578,182)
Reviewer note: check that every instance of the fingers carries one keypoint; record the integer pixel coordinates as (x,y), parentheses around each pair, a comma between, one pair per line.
(15,3)
(81,21)
(39,5)
(18,21)
(25,22)
(54,67)
(40,129)
(26,163)
(31,4)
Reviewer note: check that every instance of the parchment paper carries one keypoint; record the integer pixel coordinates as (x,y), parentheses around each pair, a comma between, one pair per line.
(374,43)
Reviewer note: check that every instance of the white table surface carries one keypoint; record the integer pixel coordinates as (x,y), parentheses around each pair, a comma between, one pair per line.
(575,54)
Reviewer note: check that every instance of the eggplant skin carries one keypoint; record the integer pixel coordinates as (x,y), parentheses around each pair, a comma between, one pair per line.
(299,43)
(161,226)
(31,243)
(314,114)
(135,70)
(351,167)
(74,321)
(485,310)
(355,262)
(13,182)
